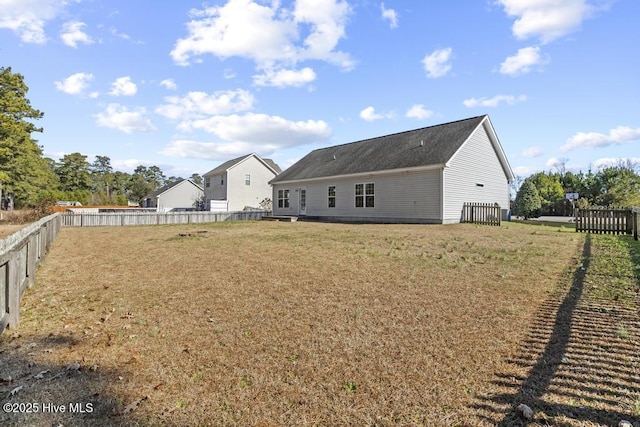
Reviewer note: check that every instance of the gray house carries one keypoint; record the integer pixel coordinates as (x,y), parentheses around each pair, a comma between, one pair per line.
(419,176)
(179,195)
(239,183)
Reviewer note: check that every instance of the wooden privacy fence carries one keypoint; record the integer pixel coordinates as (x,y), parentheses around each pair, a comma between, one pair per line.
(153,218)
(482,213)
(20,254)
(597,219)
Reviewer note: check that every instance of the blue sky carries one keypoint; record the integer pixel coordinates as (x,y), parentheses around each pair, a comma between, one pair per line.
(187,85)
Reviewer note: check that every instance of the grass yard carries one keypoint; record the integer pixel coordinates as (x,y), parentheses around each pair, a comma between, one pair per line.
(267,323)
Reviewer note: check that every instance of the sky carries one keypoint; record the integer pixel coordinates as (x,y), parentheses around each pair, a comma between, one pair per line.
(186,85)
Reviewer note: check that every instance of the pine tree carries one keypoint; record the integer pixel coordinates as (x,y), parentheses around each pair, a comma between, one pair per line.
(528,202)
(23,170)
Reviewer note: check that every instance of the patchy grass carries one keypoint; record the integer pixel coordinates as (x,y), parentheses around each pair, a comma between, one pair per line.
(580,364)
(267,323)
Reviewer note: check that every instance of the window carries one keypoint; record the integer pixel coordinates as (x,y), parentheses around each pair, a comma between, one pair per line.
(207,182)
(332,196)
(365,195)
(283,198)
(247,179)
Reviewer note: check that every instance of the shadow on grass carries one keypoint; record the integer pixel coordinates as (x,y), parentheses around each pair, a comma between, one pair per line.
(576,365)
(634,253)
(35,393)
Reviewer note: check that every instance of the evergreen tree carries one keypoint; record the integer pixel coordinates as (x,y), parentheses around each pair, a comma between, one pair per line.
(73,171)
(528,202)
(23,170)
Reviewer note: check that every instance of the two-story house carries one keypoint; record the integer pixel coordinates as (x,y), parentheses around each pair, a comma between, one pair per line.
(238,184)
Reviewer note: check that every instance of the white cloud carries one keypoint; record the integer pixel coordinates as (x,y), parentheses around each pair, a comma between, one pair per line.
(247,133)
(267,34)
(76,84)
(525,171)
(606,162)
(437,63)
(523,61)
(532,152)
(369,114)
(390,15)
(129,165)
(546,19)
(285,78)
(72,34)
(554,162)
(28,18)
(418,111)
(493,102)
(206,150)
(123,86)
(200,104)
(121,118)
(262,131)
(169,84)
(114,32)
(616,136)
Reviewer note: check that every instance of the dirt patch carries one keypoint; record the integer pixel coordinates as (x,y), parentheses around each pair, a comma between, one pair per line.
(269,323)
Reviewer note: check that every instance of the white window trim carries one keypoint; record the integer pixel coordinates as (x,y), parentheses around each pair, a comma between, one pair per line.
(364,195)
(283,198)
(335,193)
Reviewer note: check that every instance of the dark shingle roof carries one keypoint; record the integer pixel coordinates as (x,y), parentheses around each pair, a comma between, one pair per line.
(396,151)
(231,163)
(162,189)
(166,187)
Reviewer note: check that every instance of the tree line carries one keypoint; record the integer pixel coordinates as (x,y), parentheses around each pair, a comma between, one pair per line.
(546,193)
(32,179)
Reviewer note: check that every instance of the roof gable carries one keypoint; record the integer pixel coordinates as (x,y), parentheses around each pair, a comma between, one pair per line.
(270,164)
(168,187)
(429,146)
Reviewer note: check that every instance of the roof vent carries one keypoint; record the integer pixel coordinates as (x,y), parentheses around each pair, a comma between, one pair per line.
(422,143)
(334,157)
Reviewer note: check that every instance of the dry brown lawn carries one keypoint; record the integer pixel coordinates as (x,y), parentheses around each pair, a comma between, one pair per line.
(267,323)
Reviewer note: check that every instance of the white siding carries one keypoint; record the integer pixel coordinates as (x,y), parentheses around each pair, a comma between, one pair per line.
(399,196)
(241,195)
(183,195)
(475,163)
(217,189)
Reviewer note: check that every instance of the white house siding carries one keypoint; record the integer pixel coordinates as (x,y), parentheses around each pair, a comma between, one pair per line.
(217,189)
(182,195)
(475,163)
(241,195)
(410,196)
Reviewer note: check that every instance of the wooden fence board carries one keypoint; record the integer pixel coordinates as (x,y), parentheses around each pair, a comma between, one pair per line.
(482,213)
(20,254)
(154,218)
(600,220)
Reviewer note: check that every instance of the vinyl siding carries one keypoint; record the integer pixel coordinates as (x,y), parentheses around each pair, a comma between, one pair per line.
(217,190)
(476,162)
(408,196)
(183,195)
(241,195)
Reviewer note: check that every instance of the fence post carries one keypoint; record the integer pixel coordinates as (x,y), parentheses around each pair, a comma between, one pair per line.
(32,258)
(14,289)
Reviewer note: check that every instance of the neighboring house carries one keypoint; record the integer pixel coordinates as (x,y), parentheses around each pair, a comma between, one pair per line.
(177,196)
(419,176)
(239,184)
